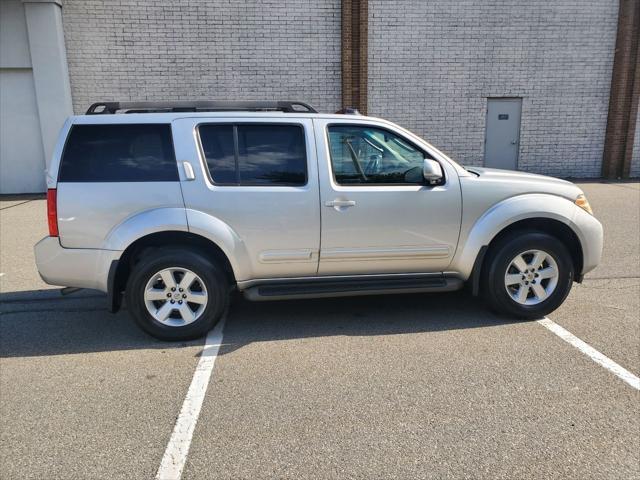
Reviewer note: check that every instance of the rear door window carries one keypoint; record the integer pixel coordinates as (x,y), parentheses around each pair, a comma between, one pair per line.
(255,154)
(218,145)
(119,153)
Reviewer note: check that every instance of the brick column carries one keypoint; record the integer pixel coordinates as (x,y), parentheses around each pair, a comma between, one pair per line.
(625,88)
(355,19)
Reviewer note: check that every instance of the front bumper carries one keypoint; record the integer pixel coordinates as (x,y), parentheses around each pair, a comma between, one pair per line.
(591,236)
(73,267)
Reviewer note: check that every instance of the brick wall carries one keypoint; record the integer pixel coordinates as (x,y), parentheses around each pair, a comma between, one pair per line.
(432,65)
(203,49)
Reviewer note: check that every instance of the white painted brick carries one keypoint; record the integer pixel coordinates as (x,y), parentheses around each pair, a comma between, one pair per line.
(433,64)
(203,49)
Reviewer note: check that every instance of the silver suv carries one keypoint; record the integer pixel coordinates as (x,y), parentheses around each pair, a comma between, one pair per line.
(175,205)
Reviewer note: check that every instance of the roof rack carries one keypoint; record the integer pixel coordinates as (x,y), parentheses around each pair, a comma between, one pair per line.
(348,111)
(101,108)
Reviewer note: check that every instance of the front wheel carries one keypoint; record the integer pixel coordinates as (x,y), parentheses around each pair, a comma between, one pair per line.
(176,294)
(527,275)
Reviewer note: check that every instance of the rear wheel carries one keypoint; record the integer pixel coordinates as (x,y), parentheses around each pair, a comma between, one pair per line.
(177,294)
(527,275)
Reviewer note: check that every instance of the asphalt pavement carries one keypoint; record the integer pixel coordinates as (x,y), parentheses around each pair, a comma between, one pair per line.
(407,386)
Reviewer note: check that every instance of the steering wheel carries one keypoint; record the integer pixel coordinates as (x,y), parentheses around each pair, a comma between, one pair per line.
(372,164)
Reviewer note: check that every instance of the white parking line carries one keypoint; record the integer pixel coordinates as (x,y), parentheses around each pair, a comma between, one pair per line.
(604,361)
(175,455)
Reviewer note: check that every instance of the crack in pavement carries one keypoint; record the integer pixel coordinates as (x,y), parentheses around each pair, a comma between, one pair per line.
(27,301)
(626,277)
(16,205)
(622,186)
(57,310)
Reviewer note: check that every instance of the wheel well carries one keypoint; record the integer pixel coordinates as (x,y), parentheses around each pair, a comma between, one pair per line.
(134,252)
(556,228)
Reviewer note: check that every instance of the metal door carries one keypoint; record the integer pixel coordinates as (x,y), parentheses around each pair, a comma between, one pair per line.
(378,229)
(502,137)
(268,230)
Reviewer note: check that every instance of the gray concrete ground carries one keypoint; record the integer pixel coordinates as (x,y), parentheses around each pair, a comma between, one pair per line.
(421,386)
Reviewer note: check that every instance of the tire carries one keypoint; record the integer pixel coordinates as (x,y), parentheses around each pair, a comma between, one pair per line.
(528,295)
(163,312)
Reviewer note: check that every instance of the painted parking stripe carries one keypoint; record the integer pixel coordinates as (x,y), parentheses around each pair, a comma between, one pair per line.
(177,450)
(175,455)
(604,361)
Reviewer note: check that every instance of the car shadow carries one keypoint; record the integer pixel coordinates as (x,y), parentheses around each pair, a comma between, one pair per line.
(31,325)
(44,323)
(253,322)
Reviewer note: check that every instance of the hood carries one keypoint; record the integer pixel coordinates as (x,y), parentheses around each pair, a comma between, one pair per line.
(526,182)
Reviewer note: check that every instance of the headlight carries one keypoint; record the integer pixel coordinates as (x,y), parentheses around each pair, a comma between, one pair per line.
(583,203)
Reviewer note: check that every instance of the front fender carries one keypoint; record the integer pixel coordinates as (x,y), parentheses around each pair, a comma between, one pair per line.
(505,213)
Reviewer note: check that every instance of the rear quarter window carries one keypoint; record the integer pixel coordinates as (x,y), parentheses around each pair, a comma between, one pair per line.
(119,153)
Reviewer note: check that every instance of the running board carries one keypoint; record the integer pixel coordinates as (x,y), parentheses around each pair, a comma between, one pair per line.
(350,286)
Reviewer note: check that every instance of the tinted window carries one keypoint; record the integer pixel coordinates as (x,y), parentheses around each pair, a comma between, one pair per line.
(119,153)
(217,143)
(368,155)
(265,154)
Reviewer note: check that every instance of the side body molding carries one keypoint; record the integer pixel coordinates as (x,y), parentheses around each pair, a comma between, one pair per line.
(506,212)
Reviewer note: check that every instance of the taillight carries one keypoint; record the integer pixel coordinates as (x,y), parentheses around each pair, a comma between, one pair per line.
(52,212)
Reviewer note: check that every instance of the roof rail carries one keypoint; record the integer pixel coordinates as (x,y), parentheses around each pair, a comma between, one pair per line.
(101,108)
(348,111)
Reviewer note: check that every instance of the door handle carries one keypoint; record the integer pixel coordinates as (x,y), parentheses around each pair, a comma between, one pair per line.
(340,203)
(188,171)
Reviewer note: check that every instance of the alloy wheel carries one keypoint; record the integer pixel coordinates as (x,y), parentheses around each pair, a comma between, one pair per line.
(531,277)
(175,296)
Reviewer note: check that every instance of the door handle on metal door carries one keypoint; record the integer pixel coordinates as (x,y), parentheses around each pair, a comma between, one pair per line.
(340,203)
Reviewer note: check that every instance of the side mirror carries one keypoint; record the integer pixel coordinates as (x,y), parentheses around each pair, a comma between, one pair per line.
(432,171)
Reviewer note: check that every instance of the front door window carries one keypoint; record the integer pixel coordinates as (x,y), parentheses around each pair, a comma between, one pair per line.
(369,155)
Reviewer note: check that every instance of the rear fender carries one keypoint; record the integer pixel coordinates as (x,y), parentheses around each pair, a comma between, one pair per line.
(225,237)
(145,223)
(181,220)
